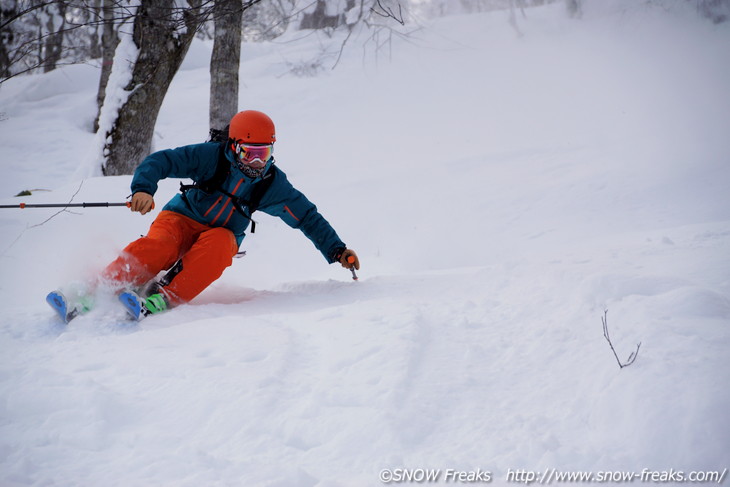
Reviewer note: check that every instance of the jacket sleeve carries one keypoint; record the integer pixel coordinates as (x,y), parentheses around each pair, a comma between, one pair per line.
(197,162)
(289,204)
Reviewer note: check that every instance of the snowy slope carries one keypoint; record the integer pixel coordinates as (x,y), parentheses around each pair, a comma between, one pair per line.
(502,192)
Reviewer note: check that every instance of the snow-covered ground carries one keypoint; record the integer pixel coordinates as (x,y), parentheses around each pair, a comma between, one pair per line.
(502,193)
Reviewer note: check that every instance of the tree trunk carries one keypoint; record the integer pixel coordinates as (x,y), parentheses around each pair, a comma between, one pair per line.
(53,47)
(162,43)
(319,19)
(225,62)
(4,59)
(109,42)
(7,37)
(93,31)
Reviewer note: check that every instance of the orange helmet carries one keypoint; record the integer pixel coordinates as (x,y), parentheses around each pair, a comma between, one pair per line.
(252,127)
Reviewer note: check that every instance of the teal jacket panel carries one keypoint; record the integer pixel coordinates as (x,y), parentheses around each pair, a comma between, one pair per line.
(198,162)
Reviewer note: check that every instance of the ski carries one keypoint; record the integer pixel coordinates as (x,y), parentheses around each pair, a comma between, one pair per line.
(133,304)
(66,310)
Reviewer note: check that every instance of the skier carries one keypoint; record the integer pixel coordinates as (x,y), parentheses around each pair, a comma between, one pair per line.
(200,229)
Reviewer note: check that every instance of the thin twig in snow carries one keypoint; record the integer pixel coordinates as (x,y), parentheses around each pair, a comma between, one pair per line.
(633,355)
(44,221)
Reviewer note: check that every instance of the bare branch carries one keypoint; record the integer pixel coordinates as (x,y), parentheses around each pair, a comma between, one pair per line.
(26,50)
(387,12)
(633,355)
(4,252)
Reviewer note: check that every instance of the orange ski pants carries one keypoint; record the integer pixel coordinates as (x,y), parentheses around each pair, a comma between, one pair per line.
(205,251)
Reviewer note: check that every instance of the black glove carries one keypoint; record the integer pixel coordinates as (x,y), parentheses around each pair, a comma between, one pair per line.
(349,259)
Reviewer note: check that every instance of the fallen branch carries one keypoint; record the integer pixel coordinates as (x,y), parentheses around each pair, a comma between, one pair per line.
(64,208)
(633,355)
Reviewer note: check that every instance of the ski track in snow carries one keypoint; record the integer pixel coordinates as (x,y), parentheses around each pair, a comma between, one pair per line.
(473,338)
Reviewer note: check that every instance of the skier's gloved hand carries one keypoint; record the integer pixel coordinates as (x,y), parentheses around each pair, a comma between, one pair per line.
(142,202)
(349,259)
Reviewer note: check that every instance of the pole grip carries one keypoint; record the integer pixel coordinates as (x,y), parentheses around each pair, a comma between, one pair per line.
(351,260)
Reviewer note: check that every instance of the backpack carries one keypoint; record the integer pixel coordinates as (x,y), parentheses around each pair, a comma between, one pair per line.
(222,169)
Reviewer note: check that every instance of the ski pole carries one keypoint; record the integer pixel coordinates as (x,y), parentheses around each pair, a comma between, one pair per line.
(351,260)
(22,206)
(65,205)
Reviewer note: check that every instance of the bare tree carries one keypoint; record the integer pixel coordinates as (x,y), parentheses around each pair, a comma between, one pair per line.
(225,62)
(162,33)
(54,40)
(23,29)
(7,37)
(268,20)
(109,43)
(43,34)
(320,18)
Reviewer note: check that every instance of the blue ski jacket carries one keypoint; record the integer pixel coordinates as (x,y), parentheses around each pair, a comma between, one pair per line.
(199,161)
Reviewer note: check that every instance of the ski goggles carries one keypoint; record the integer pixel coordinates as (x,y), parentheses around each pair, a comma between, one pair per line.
(255,156)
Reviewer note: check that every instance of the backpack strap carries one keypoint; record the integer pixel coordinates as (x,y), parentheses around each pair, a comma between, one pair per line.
(221,172)
(222,168)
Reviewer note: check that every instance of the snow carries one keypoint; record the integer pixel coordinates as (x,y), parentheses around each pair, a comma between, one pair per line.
(502,192)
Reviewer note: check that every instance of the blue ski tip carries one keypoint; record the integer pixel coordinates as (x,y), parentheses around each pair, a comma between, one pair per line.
(58,302)
(132,303)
